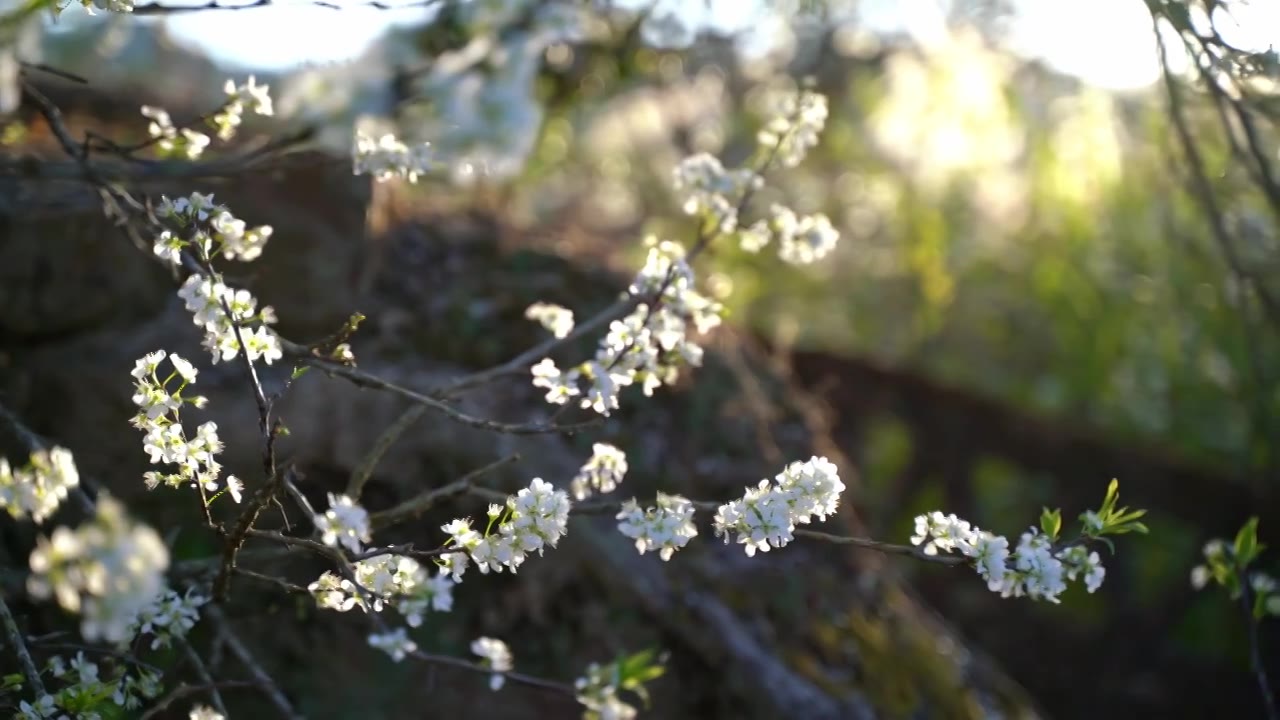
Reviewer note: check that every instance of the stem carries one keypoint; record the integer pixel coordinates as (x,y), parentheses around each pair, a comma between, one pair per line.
(20,649)
(1255,645)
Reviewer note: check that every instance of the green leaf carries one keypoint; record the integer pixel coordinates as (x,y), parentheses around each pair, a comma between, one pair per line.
(1110,545)
(1109,502)
(1246,544)
(300,371)
(1051,522)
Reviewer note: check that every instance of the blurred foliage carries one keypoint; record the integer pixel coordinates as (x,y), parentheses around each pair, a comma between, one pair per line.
(1006,229)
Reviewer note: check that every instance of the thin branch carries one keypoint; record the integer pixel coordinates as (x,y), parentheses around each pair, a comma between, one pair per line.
(205,676)
(121,655)
(364,379)
(238,648)
(49,69)
(270,580)
(882,547)
(185,690)
(601,507)
(521,363)
(132,169)
(424,501)
(14,634)
(1255,649)
(1203,188)
(521,678)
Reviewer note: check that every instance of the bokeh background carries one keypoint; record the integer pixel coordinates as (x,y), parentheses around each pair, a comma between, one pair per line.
(1028,300)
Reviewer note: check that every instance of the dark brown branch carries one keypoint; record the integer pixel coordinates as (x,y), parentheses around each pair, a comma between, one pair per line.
(424,501)
(14,634)
(262,680)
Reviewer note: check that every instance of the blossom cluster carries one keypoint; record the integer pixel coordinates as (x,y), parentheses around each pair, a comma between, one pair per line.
(802,240)
(1036,568)
(205,296)
(711,191)
(395,642)
(766,515)
(664,528)
(40,487)
(85,685)
(1220,566)
(169,617)
(228,119)
(109,570)
(166,440)
(345,523)
(598,693)
(796,121)
(172,141)
(558,320)
(387,580)
(224,312)
(533,519)
(214,230)
(601,473)
(387,157)
(646,346)
(649,345)
(496,656)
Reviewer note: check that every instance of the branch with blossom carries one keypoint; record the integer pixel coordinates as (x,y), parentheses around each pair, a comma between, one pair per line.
(113,571)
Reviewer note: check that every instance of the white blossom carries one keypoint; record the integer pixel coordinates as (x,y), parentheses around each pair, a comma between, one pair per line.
(602,472)
(386,157)
(229,118)
(388,580)
(536,518)
(803,240)
(797,118)
(395,643)
(38,489)
(345,523)
(711,191)
(766,515)
(108,570)
(598,693)
(168,617)
(557,319)
(204,712)
(495,655)
(664,528)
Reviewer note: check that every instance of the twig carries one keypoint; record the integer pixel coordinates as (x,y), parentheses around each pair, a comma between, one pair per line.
(282,584)
(600,507)
(121,655)
(1204,189)
(57,72)
(364,379)
(419,504)
(882,547)
(205,676)
(521,678)
(238,648)
(14,634)
(522,362)
(1255,649)
(184,690)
